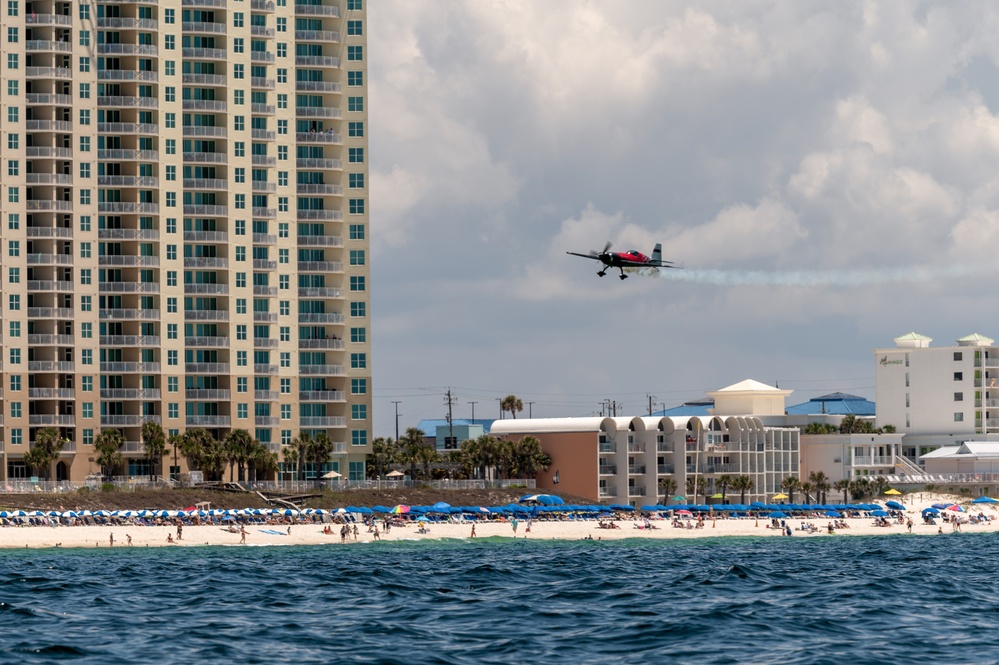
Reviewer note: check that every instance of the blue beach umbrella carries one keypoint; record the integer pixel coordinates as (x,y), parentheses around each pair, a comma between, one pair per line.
(930,511)
(879,513)
(777,514)
(895,505)
(985,499)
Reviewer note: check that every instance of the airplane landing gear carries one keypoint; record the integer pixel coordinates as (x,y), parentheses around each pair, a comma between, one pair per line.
(623,276)
(602,273)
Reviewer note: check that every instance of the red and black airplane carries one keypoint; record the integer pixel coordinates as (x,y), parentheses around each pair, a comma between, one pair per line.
(630,259)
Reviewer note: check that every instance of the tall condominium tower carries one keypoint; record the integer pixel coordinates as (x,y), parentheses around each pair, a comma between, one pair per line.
(183,226)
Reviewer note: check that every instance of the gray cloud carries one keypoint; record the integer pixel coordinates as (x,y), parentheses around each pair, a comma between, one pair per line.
(827,171)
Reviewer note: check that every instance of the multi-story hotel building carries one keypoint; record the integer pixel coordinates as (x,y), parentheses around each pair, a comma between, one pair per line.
(184,224)
(938,395)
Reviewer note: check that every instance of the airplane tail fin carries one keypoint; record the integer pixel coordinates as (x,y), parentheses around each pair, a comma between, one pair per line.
(657,254)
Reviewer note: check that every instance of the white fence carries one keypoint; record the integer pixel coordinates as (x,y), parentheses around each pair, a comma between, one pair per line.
(137,483)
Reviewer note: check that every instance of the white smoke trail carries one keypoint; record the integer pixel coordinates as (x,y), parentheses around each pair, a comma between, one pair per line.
(847,278)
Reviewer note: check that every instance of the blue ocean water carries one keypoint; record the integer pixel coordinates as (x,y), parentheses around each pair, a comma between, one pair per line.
(894,599)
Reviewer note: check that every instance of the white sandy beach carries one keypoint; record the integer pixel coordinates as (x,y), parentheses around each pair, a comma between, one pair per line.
(312,533)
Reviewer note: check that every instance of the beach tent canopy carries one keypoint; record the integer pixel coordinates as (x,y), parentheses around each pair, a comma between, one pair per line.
(332,474)
(985,499)
(394,474)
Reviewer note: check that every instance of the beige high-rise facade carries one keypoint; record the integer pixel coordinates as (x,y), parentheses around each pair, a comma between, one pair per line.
(184,231)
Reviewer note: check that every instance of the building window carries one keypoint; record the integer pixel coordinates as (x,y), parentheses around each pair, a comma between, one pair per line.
(285,359)
(171,331)
(355,180)
(171,93)
(355,104)
(355,79)
(241,384)
(357,257)
(355,53)
(358,335)
(169,42)
(358,309)
(84,63)
(357,283)
(86,303)
(241,331)
(169,15)
(237,45)
(959,376)
(282,52)
(355,28)
(353,5)
(87,330)
(958,356)
(358,411)
(359,437)
(958,397)
(355,155)
(237,71)
(358,386)
(959,417)
(237,19)
(285,386)
(356,206)
(84,250)
(241,358)
(358,361)
(286,412)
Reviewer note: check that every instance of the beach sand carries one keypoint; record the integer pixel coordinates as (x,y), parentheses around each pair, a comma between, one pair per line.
(312,534)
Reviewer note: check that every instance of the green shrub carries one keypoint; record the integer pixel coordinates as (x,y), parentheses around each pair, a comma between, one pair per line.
(107,487)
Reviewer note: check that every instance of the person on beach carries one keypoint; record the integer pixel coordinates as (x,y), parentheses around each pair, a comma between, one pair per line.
(355,532)
(170,538)
(909,525)
(180,529)
(242,534)
(111,538)
(473,531)
(128,539)
(377,536)
(513,523)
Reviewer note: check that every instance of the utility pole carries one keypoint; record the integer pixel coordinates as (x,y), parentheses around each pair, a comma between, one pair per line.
(651,399)
(473,411)
(449,401)
(530,411)
(397,403)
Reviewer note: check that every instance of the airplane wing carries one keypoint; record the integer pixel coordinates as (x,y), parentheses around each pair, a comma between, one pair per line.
(585,256)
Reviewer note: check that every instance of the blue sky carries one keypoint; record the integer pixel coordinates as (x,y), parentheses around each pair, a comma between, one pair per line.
(827,173)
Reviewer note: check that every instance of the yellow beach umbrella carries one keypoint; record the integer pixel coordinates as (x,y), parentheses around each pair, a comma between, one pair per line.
(893,492)
(780,496)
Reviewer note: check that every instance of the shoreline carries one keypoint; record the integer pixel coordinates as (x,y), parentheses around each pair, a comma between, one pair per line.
(99,536)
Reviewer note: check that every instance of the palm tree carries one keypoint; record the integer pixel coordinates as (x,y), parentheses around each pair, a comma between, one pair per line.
(46,448)
(880,484)
(806,489)
(512,404)
(696,487)
(320,450)
(175,440)
(790,485)
(238,445)
(260,461)
(668,487)
(528,458)
(742,484)
(844,487)
(154,445)
(290,454)
(410,445)
(204,453)
(108,445)
(380,457)
(723,481)
(821,483)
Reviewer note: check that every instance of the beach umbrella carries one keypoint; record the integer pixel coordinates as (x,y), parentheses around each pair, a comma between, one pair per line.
(956,508)
(892,492)
(833,513)
(5,513)
(717,496)
(290,512)
(683,511)
(400,510)
(778,514)
(985,499)
(422,518)
(879,513)
(895,504)
(778,497)
(442,507)
(103,513)
(930,511)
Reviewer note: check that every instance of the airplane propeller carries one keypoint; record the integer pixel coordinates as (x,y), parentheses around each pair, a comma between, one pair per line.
(607,247)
